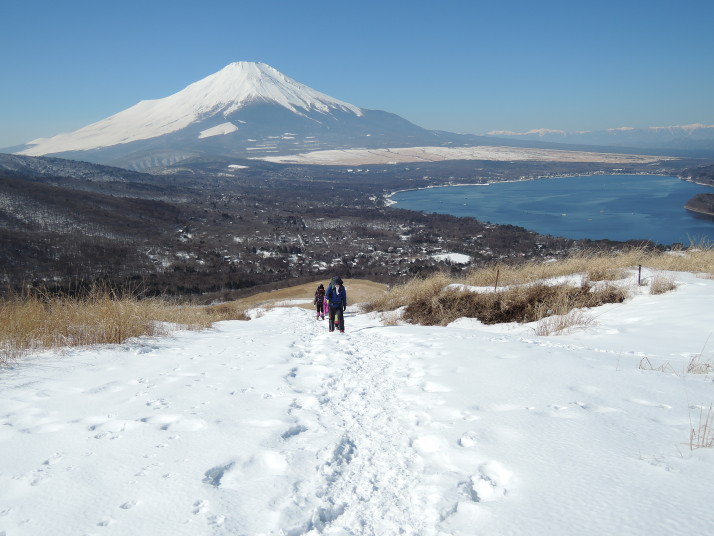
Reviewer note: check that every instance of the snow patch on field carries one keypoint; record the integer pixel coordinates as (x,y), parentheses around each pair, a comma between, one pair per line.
(357,157)
(218,130)
(454,258)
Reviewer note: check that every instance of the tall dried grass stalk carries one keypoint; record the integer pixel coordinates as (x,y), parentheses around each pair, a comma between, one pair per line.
(702,436)
(697,365)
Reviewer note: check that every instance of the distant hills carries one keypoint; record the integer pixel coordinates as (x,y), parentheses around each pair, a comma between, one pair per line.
(251,110)
(695,138)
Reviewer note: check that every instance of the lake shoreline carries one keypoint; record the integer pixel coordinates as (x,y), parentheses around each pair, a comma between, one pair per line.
(698,211)
(389,202)
(617,207)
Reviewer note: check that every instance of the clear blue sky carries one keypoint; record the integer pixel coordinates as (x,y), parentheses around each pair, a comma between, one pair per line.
(463,66)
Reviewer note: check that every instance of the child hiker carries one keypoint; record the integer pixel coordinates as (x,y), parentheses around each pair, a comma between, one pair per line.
(319,302)
(336,297)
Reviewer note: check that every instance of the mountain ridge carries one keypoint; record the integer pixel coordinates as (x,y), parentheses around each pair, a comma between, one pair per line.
(245,109)
(693,137)
(251,110)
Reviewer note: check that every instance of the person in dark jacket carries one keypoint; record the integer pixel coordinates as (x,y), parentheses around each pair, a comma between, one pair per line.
(319,306)
(336,297)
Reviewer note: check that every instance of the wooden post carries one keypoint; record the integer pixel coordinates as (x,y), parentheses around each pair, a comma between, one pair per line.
(495,286)
(639,275)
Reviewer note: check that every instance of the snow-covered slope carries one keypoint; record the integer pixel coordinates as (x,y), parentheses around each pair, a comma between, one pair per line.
(277,427)
(244,109)
(222,93)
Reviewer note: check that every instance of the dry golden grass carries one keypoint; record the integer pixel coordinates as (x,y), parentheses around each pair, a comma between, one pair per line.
(391,318)
(596,265)
(414,290)
(527,303)
(34,322)
(662,283)
(358,291)
(517,296)
(562,323)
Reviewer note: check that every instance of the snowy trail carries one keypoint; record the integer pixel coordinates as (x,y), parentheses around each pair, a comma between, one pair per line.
(277,427)
(362,395)
(369,477)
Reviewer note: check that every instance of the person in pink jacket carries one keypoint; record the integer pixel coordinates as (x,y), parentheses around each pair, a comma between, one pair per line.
(319,302)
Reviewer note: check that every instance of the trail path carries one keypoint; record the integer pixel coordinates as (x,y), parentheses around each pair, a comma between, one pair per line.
(370,474)
(360,437)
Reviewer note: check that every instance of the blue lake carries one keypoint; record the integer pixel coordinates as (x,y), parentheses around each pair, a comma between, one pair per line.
(616,207)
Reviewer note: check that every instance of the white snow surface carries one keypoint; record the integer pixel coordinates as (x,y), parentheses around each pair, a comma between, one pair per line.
(224,92)
(456,258)
(397,155)
(218,130)
(276,427)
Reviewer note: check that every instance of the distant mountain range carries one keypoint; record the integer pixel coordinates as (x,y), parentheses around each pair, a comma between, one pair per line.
(696,137)
(252,110)
(244,110)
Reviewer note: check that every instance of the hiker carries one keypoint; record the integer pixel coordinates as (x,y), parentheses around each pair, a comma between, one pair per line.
(320,302)
(336,297)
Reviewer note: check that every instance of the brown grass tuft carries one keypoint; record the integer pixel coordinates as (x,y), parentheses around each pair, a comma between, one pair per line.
(662,283)
(413,290)
(563,323)
(516,304)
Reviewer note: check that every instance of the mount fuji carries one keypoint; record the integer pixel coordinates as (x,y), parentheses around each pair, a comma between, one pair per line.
(244,110)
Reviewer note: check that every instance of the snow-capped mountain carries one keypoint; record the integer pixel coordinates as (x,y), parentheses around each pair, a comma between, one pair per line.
(245,109)
(695,137)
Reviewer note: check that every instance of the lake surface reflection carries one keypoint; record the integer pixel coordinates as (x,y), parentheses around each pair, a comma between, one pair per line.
(616,207)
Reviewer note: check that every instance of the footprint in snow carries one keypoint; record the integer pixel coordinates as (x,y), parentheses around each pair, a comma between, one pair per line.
(56,457)
(292,374)
(293,431)
(649,404)
(468,440)
(214,475)
(105,522)
(216,521)
(199,507)
(161,403)
(490,482)
(128,505)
